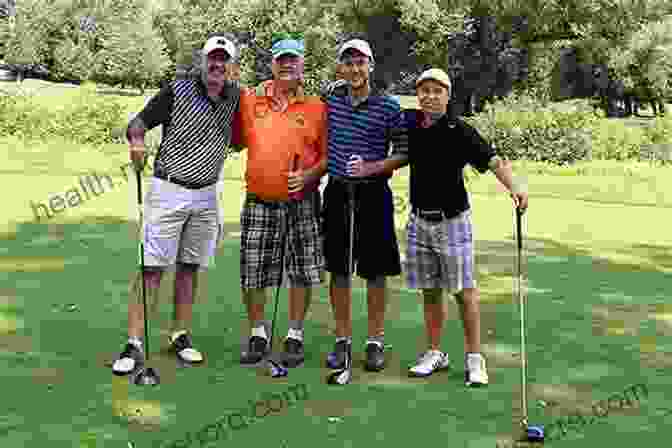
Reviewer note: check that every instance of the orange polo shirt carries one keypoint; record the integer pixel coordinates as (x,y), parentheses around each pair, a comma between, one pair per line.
(273,139)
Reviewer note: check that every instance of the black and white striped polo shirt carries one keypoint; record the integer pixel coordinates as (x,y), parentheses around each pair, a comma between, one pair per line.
(196,130)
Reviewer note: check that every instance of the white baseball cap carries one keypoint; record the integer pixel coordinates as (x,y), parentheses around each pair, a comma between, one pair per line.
(219,42)
(435,74)
(357,44)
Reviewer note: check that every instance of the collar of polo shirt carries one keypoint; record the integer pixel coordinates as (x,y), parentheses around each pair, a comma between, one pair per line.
(266,88)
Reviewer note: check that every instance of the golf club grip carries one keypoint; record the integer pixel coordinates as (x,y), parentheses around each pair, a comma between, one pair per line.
(138,176)
(519,227)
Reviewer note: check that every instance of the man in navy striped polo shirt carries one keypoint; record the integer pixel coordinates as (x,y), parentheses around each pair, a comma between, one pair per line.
(181,209)
(361,127)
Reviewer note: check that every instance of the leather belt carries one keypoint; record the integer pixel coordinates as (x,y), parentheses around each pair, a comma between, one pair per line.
(429,215)
(181,183)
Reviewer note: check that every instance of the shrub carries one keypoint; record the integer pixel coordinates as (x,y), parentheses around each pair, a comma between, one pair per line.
(521,129)
(88,119)
(73,62)
(614,140)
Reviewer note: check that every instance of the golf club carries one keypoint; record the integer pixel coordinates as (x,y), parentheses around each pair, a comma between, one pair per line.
(146,376)
(277,370)
(344,376)
(532,433)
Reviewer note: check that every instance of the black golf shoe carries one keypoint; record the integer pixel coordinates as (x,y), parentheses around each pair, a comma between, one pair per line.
(375,358)
(293,355)
(129,360)
(336,359)
(184,350)
(257,349)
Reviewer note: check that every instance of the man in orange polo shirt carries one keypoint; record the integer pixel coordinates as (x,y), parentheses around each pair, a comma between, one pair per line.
(284,132)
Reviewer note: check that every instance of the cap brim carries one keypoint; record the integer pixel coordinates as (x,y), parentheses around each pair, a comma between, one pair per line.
(291,52)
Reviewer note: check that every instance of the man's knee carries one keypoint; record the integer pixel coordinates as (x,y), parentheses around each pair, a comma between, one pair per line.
(468,295)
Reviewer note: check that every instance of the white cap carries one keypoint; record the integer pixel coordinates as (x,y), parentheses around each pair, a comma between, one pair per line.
(358,44)
(435,74)
(219,42)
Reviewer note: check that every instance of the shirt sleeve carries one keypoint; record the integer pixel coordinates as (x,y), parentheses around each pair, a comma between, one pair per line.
(480,152)
(323,140)
(157,111)
(398,134)
(237,137)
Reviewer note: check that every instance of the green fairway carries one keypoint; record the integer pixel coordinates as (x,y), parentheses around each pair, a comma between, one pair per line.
(598,267)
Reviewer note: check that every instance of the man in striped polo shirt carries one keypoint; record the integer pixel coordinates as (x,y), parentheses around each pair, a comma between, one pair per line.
(361,127)
(181,210)
(280,126)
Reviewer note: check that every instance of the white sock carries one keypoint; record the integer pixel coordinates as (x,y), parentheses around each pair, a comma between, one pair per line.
(474,356)
(295,334)
(348,339)
(259,331)
(135,341)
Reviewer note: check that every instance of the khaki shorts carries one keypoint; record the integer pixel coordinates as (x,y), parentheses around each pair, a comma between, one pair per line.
(181,225)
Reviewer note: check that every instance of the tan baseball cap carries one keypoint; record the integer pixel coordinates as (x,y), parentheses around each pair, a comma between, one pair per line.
(435,74)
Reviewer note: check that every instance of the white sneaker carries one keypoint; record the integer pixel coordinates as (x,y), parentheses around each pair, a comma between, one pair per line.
(475,373)
(428,363)
(128,360)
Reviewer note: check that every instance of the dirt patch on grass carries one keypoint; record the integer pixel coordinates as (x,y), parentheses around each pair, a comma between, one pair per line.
(328,408)
(619,319)
(48,376)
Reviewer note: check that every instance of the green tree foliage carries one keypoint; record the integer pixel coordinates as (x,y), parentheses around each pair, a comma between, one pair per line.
(133,52)
(433,25)
(259,19)
(645,61)
(73,61)
(28,45)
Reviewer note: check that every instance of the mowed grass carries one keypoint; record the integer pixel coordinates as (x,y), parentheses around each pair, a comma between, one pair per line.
(598,267)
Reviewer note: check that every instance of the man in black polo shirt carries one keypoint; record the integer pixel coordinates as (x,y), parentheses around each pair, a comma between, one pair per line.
(181,209)
(440,252)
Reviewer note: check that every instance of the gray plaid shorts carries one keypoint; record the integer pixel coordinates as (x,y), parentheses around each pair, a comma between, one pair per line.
(440,254)
(261,224)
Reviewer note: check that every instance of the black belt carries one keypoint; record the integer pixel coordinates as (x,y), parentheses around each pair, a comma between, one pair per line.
(181,183)
(429,215)
(358,180)
(252,197)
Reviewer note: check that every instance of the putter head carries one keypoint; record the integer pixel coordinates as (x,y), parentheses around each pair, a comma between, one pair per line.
(147,377)
(535,433)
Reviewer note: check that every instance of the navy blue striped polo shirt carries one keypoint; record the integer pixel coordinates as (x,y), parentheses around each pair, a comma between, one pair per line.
(366,129)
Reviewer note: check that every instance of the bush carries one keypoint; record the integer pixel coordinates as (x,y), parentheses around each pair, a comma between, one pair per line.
(613,140)
(521,129)
(88,119)
(73,62)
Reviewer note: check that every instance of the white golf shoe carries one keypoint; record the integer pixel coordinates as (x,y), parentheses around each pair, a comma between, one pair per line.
(428,363)
(475,373)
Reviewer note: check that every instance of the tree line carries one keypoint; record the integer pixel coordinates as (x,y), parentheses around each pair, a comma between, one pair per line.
(489,48)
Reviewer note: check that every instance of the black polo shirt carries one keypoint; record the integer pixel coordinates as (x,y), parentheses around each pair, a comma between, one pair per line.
(437,157)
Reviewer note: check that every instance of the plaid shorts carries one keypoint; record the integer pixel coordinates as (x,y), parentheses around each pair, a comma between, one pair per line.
(262,225)
(440,254)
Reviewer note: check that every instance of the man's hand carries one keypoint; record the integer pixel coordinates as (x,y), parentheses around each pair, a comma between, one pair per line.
(296,181)
(357,167)
(138,156)
(520,200)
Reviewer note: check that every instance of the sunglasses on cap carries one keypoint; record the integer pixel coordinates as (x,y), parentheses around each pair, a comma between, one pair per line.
(286,35)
